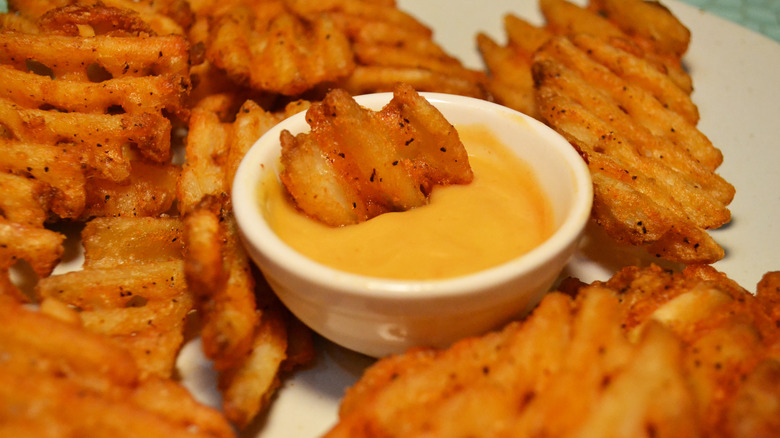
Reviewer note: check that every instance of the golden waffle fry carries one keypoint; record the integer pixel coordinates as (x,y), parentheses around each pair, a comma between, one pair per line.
(244,328)
(24,201)
(150,191)
(78,110)
(650,22)
(39,247)
(131,288)
(509,65)
(356,163)
(391,46)
(648,352)
(63,380)
(265,46)
(510,82)
(565,18)
(55,166)
(653,171)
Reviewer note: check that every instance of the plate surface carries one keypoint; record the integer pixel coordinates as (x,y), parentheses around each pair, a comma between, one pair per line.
(736,88)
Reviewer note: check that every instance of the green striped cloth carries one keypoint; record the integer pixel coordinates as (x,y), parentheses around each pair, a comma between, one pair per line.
(763,16)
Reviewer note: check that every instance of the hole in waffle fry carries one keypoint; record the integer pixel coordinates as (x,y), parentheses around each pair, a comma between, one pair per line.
(136,301)
(115,109)
(39,68)
(98,73)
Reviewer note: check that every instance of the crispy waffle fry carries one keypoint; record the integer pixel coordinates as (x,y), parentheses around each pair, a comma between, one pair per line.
(245,329)
(162,17)
(657,26)
(292,46)
(130,85)
(509,65)
(150,191)
(510,82)
(89,98)
(565,18)
(653,171)
(39,247)
(356,163)
(391,46)
(131,288)
(24,200)
(81,382)
(265,46)
(58,168)
(627,357)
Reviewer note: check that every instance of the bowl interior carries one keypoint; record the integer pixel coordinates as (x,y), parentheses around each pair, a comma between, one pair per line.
(561,173)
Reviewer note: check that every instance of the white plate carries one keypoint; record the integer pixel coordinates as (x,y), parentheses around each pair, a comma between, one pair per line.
(735,74)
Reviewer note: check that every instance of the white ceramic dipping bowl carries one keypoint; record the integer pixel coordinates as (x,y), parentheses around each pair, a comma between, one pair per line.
(377,316)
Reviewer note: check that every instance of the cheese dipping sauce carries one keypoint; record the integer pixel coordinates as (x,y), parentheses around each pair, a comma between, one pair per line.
(500,215)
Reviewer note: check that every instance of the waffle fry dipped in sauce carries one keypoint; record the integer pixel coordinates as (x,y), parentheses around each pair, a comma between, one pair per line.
(371,162)
(401,193)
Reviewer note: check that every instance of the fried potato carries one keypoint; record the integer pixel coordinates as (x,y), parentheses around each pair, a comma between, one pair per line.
(375,79)
(653,171)
(647,21)
(89,101)
(625,357)
(729,336)
(132,287)
(86,20)
(113,162)
(265,46)
(107,152)
(247,389)
(101,149)
(162,17)
(24,201)
(244,336)
(150,191)
(70,57)
(565,18)
(114,242)
(39,247)
(69,380)
(159,17)
(56,167)
(356,164)
(392,46)
(510,81)
(17,23)
(133,95)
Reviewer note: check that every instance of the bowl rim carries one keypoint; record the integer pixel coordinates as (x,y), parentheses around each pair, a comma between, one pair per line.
(256,233)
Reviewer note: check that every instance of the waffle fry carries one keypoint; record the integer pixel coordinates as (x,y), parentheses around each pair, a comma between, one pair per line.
(244,333)
(653,171)
(127,88)
(265,46)
(660,43)
(390,46)
(131,288)
(648,352)
(164,17)
(39,247)
(303,47)
(510,82)
(83,382)
(356,164)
